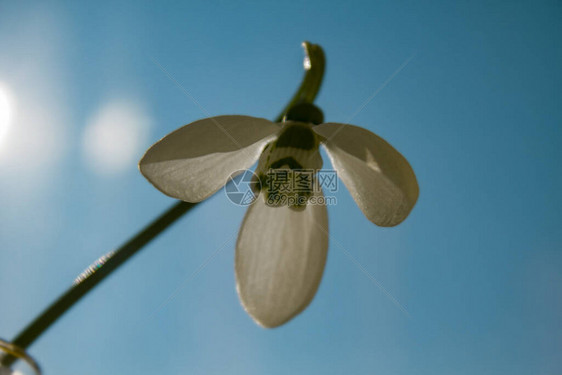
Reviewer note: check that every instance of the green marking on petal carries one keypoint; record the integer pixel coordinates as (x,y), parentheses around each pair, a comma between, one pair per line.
(297,136)
(289,161)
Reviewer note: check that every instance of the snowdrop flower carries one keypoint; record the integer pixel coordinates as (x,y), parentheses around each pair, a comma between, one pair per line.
(281,249)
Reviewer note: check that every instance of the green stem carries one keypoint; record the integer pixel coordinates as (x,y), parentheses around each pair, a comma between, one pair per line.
(111,263)
(314,65)
(106,265)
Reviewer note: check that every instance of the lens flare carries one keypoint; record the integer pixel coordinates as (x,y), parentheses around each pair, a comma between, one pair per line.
(114,138)
(5,113)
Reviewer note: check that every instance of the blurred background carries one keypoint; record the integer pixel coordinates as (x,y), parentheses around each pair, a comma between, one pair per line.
(468,91)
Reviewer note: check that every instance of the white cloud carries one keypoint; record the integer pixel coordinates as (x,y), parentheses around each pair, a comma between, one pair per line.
(115,137)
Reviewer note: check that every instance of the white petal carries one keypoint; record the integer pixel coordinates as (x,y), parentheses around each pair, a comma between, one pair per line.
(280,257)
(379,178)
(195,161)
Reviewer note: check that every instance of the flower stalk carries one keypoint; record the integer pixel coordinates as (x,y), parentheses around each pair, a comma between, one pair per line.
(314,65)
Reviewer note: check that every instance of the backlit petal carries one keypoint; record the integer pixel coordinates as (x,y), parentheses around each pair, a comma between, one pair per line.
(280,257)
(195,161)
(379,178)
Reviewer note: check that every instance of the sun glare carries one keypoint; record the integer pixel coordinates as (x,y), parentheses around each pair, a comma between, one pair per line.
(5,113)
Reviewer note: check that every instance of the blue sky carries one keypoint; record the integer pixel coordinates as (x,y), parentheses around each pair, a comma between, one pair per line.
(476,111)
